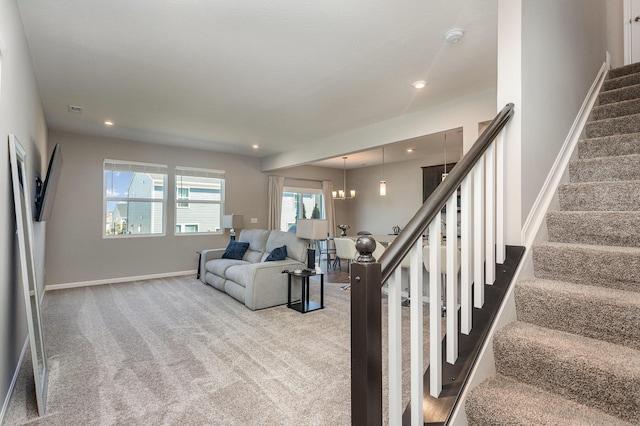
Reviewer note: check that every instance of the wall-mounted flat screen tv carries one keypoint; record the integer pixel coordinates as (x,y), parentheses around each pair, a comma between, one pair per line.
(46,190)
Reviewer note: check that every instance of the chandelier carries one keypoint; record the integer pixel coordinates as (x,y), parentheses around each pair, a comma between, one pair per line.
(342,193)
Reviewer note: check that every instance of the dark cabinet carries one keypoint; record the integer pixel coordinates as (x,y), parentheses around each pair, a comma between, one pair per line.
(431,177)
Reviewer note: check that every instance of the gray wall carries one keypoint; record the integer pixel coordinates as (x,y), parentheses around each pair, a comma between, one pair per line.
(376,214)
(549,54)
(565,44)
(76,250)
(21,114)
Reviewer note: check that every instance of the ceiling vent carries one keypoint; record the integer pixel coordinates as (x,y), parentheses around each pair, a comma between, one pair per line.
(76,109)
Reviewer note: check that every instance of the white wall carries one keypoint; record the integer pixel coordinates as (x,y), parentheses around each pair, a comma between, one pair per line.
(549,54)
(21,114)
(615,32)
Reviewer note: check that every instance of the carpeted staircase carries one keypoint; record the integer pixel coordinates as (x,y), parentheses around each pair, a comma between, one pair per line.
(573,355)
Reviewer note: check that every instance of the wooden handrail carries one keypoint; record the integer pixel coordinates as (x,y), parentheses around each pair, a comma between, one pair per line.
(416,227)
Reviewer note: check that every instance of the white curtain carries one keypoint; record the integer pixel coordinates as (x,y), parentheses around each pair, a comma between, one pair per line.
(276,185)
(330,212)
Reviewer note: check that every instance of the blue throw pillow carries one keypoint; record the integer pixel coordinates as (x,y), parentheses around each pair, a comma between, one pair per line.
(235,250)
(279,253)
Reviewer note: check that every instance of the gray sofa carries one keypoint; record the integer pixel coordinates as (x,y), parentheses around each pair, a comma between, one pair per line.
(251,280)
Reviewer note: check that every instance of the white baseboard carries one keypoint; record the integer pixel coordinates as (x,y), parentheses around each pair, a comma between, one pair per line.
(14,380)
(118,280)
(541,205)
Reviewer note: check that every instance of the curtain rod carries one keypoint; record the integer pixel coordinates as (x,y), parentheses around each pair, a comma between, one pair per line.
(308,180)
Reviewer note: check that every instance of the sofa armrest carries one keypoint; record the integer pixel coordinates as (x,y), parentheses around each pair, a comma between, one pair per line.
(205,256)
(268,285)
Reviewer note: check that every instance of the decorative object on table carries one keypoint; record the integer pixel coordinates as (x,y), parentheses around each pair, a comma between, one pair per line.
(313,230)
(396,229)
(342,193)
(232,222)
(343,230)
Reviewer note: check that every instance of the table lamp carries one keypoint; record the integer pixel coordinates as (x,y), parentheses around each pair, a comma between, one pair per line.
(231,222)
(312,230)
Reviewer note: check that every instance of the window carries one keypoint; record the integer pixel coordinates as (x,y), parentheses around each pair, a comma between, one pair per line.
(134,198)
(183,193)
(199,199)
(300,203)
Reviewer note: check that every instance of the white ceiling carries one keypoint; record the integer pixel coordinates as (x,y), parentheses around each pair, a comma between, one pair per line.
(226,74)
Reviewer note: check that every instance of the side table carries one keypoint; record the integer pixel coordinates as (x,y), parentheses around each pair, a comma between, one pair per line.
(304,305)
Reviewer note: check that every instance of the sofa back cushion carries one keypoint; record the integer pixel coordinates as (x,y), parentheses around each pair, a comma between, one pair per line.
(257,239)
(296,247)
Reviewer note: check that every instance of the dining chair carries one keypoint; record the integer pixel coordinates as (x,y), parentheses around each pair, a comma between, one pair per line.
(346,250)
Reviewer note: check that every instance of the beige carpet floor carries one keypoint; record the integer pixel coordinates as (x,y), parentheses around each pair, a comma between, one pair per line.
(175,351)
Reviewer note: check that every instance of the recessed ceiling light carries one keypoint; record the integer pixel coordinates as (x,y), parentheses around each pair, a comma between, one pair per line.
(409,149)
(255,146)
(108,123)
(454,35)
(420,84)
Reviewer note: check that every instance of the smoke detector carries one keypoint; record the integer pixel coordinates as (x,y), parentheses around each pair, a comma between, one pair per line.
(454,35)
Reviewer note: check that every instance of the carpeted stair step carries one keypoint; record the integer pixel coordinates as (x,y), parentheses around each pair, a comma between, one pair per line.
(613,126)
(600,196)
(610,228)
(622,81)
(502,400)
(584,370)
(609,146)
(604,266)
(618,95)
(617,109)
(600,313)
(624,70)
(623,167)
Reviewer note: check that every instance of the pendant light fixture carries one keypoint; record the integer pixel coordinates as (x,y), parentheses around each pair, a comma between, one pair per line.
(445,174)
(342,193)
(383,183)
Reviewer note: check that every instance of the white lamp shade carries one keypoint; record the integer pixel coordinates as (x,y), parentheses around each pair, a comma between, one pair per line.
(230,221)
(312,229)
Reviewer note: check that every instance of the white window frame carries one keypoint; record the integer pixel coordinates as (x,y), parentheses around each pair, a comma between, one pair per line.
(197,172)
(133,166)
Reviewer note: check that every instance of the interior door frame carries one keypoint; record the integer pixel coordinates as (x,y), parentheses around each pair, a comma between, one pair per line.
(627,33)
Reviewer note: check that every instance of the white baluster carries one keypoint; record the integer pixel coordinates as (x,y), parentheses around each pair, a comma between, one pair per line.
(435,309)
(478,234)
(417,334)
(501,253)
(452,278)
(490,219)
(395,347)
(466,243)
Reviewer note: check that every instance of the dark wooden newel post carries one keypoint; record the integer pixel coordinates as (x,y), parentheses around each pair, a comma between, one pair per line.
(366,337)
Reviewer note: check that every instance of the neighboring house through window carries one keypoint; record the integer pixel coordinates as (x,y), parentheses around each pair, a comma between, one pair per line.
(134,198)
(199,200)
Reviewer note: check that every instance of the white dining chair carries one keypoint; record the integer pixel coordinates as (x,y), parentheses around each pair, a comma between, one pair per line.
(346,250)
